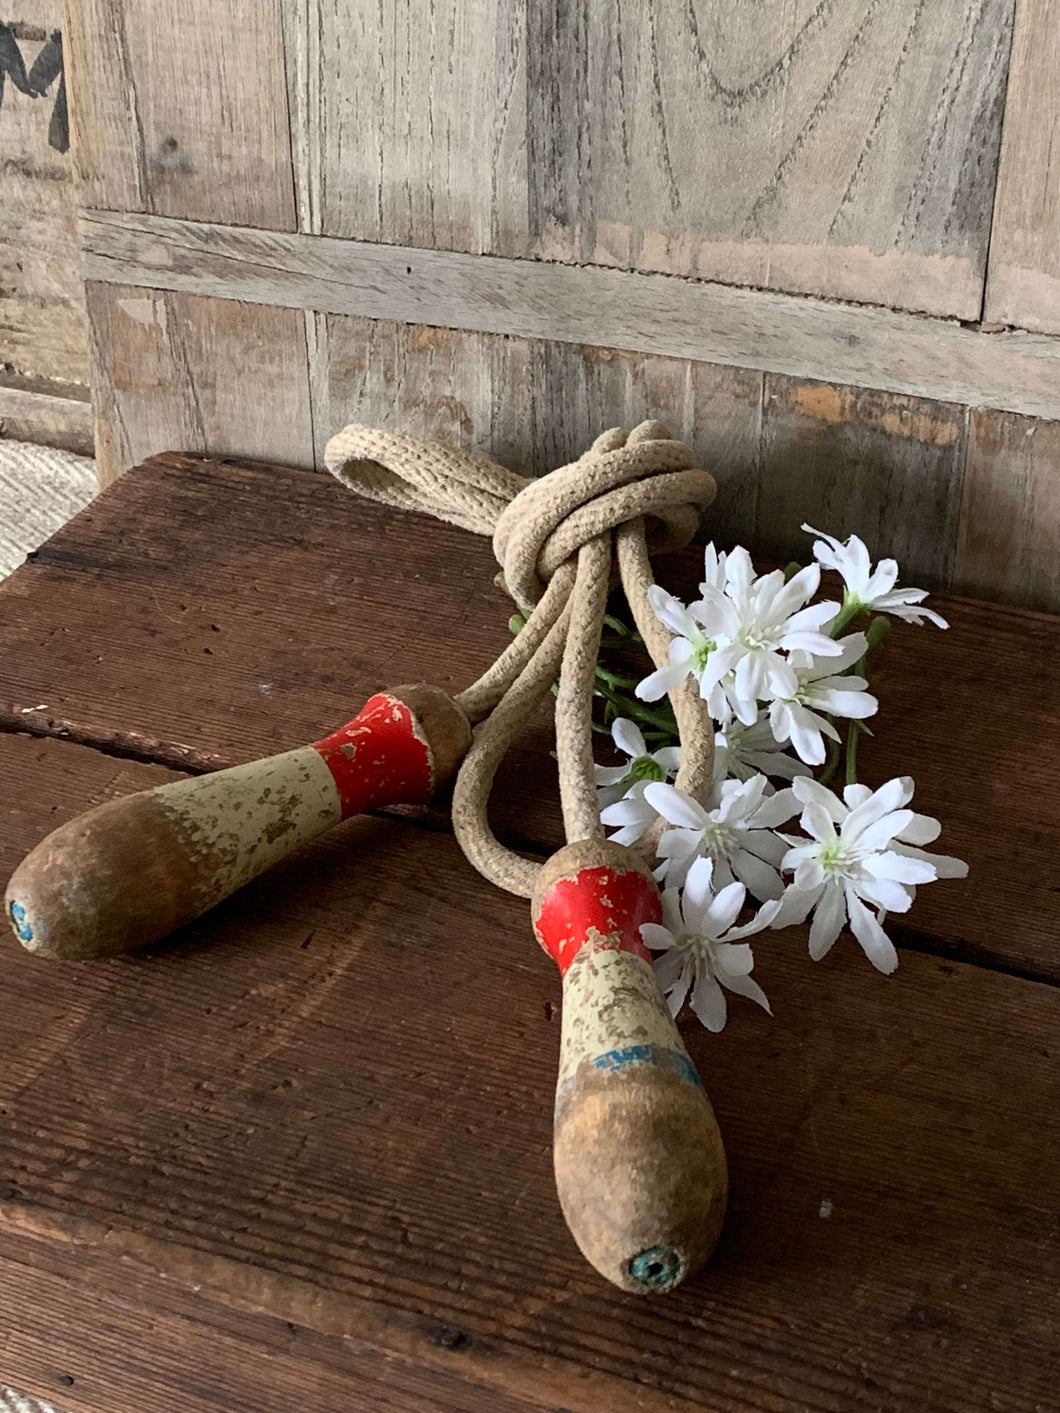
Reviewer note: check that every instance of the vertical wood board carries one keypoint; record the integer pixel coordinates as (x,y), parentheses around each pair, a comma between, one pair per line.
(43,332)
(417,121)
(1009,545)
(203,375)
(181,109)
(1023,284)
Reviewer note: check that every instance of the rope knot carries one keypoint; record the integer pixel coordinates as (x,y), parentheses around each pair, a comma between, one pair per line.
(622,477)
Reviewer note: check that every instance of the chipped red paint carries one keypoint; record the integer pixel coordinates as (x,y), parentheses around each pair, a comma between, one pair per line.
(377,758)
(600,901)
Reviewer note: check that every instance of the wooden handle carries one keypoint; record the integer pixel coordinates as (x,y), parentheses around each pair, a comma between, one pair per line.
(133,870)
(640,1167)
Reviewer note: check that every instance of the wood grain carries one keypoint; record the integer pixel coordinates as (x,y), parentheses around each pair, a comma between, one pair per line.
(414,115)
(679,318)
(43,332)
(182,109)
(885,467)
(49,413)
(267,621)
(1023,284)
(291,1113)
(846,150)
(1010,513)
(205,375)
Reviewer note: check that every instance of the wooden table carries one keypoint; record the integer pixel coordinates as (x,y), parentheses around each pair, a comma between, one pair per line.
(291,1159)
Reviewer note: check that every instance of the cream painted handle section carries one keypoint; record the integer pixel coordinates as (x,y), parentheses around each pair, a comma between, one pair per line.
(640,1167)
(133,870)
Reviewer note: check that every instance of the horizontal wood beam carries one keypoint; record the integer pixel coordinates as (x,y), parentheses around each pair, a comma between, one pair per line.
(49,413)
(658,314)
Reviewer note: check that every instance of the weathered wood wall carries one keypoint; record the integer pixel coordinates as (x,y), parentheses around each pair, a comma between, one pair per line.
(43,332)
(821,240)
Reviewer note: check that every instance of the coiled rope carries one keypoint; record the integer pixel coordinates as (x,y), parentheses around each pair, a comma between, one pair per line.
(557,539)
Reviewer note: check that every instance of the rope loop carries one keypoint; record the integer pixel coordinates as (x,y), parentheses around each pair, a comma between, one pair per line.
(555,539)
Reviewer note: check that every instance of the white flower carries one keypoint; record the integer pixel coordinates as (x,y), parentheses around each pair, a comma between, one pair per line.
(751,624)
(820,689)
(698,940)
(742,751)
(690,650)
(736,833)
(630,817)
(643,765)
(868,588)
(870,858)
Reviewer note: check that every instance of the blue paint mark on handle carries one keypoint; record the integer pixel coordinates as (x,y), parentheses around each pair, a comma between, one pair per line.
(21,921)
(658,1055)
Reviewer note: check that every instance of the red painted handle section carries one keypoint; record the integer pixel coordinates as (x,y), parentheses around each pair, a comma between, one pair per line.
(599,905)
(378,758)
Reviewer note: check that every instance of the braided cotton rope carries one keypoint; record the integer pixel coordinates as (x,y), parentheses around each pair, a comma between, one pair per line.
(555,539)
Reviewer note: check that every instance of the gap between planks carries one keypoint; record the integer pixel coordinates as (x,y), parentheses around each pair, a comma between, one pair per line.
(865,346)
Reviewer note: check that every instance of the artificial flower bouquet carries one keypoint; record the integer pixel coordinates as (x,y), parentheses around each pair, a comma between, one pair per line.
(785,676)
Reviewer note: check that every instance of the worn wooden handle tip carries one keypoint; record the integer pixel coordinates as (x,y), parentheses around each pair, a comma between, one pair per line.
(133,870)
(640,1167)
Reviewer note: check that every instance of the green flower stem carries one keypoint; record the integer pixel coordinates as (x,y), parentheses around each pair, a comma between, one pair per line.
(831,763)
(850,610)
(853,736)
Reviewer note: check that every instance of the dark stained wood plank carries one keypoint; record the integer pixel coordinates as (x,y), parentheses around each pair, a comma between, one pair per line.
(329,1103)
(203,375)
(95,1333)
(1009,542)
(204,613)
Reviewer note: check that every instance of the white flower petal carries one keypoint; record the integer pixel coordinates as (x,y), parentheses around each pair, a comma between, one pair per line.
(734,959)
(807,790)
(708,1002)
(796,905)
(762,881)
(720,914)
(665,679)
(677,990)
(675,806)
(885,893)
(879,835)
(658,938)
(828,921)
(899,868)
(698,896)
(891,796)
(943,864)
(922,829)
(628,737)
(776,809)
(875,943)
(747,986)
